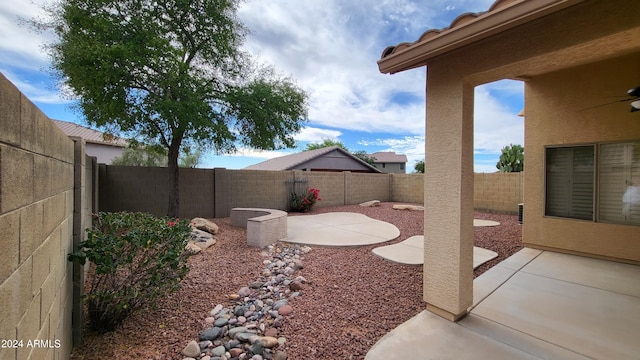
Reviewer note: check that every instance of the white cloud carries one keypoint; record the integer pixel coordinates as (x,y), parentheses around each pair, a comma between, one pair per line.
(330,49)
(21,46)
(259,154)
(411,146)
(495,124)
(313,134)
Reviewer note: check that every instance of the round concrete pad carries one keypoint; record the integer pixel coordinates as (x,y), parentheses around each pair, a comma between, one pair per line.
(411,252)
(338,229)
(479,222)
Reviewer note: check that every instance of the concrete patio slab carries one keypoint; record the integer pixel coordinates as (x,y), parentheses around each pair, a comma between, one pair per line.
(411,252)
(428,336)
(338,229)
(541,305)
(481,222)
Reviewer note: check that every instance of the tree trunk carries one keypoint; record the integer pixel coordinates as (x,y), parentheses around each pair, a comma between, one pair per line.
(174,190)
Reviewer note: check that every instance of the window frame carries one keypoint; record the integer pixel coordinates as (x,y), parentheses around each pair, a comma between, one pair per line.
(596,216)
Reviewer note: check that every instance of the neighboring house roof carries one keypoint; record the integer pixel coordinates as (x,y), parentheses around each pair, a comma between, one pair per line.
(90,135)
(388,157)
(466,29)
(297,160)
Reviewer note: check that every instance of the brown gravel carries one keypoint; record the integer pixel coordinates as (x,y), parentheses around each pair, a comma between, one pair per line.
(353,300)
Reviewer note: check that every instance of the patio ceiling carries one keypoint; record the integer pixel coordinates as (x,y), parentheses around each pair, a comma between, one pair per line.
(521,39)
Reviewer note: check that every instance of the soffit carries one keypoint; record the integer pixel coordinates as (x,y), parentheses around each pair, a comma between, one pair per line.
(467,29)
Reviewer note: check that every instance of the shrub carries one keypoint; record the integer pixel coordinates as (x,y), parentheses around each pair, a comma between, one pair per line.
(136,258)
(304,202)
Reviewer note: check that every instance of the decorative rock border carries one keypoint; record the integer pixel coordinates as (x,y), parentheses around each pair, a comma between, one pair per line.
(247,328)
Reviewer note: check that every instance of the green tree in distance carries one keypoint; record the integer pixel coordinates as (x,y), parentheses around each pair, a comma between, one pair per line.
(360,154)
(511,159)
(418,167)
(325,143)
(171,72)
(137,154)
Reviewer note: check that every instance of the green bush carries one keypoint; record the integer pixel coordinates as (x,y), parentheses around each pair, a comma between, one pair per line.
(304,202)
(137,258)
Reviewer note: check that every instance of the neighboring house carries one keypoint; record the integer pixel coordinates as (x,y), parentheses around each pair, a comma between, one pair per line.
(103,146)
(390,162)
(577,59)
(332,158)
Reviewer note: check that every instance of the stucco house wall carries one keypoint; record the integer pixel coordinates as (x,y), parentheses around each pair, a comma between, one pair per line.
(104,153)
(562,108)
(391,168)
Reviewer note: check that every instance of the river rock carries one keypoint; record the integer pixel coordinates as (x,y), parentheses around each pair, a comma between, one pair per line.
(211,334)
(218,351)
(205,225)
(371,203)
(268,341)
(285,310)
(192,349)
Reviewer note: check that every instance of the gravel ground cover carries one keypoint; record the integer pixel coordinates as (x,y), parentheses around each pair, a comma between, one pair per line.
(353,297)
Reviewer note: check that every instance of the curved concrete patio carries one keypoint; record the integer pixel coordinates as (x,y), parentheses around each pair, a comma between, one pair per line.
(411,250)
(338,229)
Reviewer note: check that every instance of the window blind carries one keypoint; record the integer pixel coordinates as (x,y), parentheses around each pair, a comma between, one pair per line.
(569,182)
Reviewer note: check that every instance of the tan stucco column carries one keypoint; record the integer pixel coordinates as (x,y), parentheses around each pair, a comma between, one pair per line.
(448,196)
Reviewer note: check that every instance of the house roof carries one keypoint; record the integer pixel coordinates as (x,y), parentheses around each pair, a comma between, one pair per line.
(466,29)
(389,157)
(90,135)
(289,162)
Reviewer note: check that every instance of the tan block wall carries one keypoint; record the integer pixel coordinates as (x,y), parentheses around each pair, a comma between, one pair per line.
(560,110)
(259,189)
(407,188)
(36,227)
(145,189)
(214,192)
(498,192)
(361,187)
(330,184)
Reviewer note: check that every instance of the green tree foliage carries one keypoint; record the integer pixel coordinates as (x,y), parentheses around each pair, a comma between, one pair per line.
(418,167)
(325,143)
(360,154)
(137,154)
(511,159)
(171,72)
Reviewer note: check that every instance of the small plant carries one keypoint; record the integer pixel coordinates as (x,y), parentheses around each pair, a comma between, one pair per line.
(304,202)
(511,159)
(136,258)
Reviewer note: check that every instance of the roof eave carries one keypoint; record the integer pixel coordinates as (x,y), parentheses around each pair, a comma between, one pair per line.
(485,25)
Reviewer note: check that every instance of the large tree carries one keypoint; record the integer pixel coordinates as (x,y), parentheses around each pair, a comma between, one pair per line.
(171,72)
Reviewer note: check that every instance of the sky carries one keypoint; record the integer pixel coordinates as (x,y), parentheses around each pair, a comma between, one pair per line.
(329,48)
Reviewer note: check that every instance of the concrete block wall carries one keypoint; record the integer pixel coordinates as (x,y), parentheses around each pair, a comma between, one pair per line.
(331,186)
(214,192)
(407,188)
(361,187)
(36,230)
(258,189)
(145,189)
(498,192)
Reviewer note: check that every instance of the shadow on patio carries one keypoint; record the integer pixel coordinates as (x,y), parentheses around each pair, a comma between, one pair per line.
(534,305)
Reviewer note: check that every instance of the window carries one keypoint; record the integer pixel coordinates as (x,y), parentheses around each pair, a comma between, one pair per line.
(571,186)
(401,166)
(619,180)
(570,182)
